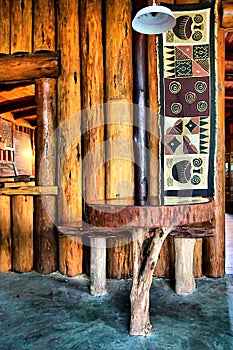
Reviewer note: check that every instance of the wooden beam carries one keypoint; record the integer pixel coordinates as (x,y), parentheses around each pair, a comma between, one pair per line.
(24,113)
(18,103)
(27,67)
(30,191)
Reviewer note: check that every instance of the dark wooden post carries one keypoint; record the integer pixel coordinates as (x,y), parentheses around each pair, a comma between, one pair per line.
(45,175)
(140,122)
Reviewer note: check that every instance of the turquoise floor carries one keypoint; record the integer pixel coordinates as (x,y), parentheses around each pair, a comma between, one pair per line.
(54,312)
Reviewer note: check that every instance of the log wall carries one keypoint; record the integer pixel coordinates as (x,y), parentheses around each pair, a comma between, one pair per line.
(94,83)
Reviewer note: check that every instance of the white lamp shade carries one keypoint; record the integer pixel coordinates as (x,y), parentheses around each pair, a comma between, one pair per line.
(154,19)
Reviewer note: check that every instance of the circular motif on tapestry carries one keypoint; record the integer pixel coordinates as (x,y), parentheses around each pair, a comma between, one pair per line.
(197,36)
(197,162)
(174,87)
(190,97)
(198,18)
(176,107)
(195,180)
(200,86)
(202,106)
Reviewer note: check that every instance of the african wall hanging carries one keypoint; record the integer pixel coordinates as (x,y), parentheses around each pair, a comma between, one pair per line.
(187,116)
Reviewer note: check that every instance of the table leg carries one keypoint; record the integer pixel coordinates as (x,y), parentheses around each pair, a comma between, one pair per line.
(184,279)
(98,266)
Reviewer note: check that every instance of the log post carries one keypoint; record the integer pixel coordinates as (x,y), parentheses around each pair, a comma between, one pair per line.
(44,25)
(45,175)
(184,278)
(5,234)
(119,118)
(5,27)
(21,26)
(69,126)
(92,98)
(214,248)
(146,249)
(22,233)
(98,266)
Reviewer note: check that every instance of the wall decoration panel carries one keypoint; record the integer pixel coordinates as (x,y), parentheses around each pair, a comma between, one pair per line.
(187,102)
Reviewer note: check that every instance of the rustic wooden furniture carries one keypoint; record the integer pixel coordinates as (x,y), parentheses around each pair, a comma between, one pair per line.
(149,226)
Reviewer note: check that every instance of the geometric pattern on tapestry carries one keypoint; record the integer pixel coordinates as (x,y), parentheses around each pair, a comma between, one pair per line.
(187,114)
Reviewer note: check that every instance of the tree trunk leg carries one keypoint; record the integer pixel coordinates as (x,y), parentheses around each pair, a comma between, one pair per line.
(146,248)
(184,278)
(98,266)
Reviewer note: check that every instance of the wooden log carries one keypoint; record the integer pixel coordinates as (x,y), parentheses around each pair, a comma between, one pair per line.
(5,234)
(21,26)
(44,25)
(70,255)
(184,278)
(146,250)
(165,264)
(92,105)
(22,233)
(197,258)
(45,175)
(5,26)
(119,118)
(149,216)
(98,266)
(28,67)
(92,100)
(29,190)
(214,249)
(120,263)
(227,14)
(69,116)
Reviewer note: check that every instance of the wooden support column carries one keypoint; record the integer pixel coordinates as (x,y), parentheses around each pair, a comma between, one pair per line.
(5,27)
(5,234)
(21,26)
(98,266)
(184,278)
(45,175)
(69,132)
(22,233)
(214,248)
(92,97)
(119,118)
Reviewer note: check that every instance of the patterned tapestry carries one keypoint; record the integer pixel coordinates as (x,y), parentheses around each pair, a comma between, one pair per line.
(187,102)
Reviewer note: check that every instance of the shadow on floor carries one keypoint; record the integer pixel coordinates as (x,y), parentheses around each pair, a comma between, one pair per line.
(55,312)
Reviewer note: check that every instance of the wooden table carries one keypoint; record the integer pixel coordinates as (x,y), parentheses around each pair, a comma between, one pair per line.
(149,226)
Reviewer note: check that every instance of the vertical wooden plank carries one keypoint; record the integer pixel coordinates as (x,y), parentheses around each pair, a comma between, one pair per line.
(69,117)
(5,234)
(214,249)
(197,258)
(119,118)
(21,26)
(44,25)
(70,255)
(5,26)
(22,233)
(92,97)
(45,206)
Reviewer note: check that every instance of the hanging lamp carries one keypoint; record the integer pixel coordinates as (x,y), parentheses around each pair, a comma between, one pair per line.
(153,19)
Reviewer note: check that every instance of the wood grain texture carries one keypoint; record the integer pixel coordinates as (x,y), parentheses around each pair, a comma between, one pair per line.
(44,25)
(27,67)
(45,175)
(22,233)
(5,26)
(5,235)
(214,249)
(69,117)
(21,26)
(227,14)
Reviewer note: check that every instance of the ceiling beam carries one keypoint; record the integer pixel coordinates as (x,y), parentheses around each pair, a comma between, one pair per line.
(17,104)
(25,113)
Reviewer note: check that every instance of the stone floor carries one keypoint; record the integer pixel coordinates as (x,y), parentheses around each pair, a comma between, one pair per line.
(54,312)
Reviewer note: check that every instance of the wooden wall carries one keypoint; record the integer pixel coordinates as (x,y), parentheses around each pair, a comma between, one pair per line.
(93,92)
